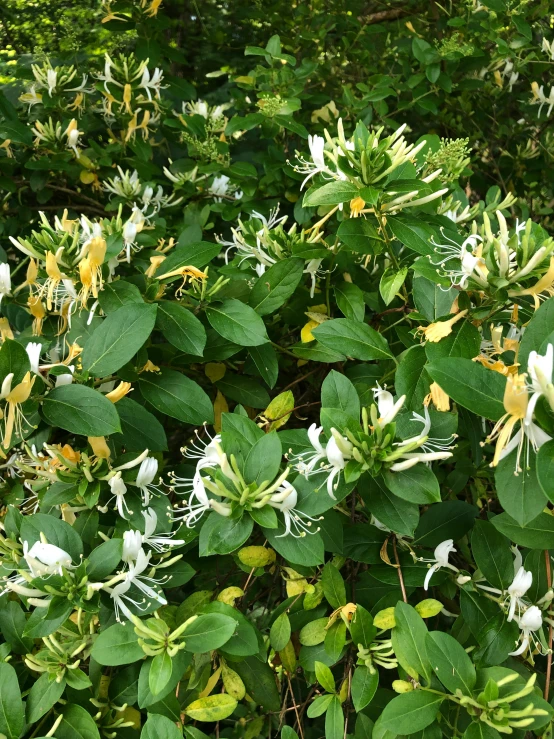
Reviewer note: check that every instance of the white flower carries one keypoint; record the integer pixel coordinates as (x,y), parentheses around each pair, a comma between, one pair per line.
(471,265)
(520,585)
(66,378)
(530,622)
(316,145)
(539,371)
(219,187)
(428,445)
(160,542)
(119,490)
(442,552)
(5,280)
(33,350)
(386,406)
(135,577)
(132,543)
(548,47)
(146,474)
(52,78)
(541,98)
(152,83)
(45,559)
(332,457)
(297,524)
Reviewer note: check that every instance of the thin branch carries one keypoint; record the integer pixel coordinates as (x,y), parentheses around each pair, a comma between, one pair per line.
(399,570)
(550,629)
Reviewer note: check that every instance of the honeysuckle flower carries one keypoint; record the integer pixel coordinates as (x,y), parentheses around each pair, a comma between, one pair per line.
(134,576)
(297,523)
(316,144)
(221,187)
(529,622)
(34,349)
(153,82)
(472,265)
(516,401)
(544,284)
(146,474)
(440,559)
(72,132)
(428,445)
(15,398)
(541,98)
(540,369)
(387,407)
(119,490)
(434,332)
(132,543)
(125,185)
(123,389)
(99,447)
(520,585)
(130,230)
(45,559)
(438,397)
(159,542)
(331,458)
(5,281)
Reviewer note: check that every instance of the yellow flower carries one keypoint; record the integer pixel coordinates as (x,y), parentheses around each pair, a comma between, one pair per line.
(515,403)
(90,269)
(36,309)
(15,398)
(127,97)
(356,206)
(317,314)
(153,8)
(434,332)
(51,284)
(77,104)
(187,273)
(31,277)
(154,264)
(119,392)
(544,285)
(99,447)
(438,397)
(5,329)
(6,145)
(149,367)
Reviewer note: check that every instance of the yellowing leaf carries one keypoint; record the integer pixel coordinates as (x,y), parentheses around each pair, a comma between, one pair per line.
(256,556)
(402,686)
(229,595)
(212,682)
(220,407)
(428,608)
(233,683)
(87,177)
(215,371)
(306,334)
(288,657)
(278,411)
(131,714)
(211,708)
(385,619)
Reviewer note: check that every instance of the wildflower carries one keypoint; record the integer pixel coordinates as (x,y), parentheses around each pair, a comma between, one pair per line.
(119,490)
(316,144)
(187,273)
(45,559)
(472,265)
(33,350)
(540,97)
(544,284)
(434,332)
(5,281)
(159,542)
(153,82)
(440,559)
(132,543)
(520,585)
(356,207)
(331,458)
(220,188)
(516,402)
(15,398)
(429,445)
(135,577)
(530,622)
(123,389)
(99,446)
(146,474)
(386,406)
(438,397)
(297,524)
(130,230)
(539,370)
(36,309)
(72,132)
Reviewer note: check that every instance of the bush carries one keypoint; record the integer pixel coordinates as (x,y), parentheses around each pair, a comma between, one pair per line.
(277,402)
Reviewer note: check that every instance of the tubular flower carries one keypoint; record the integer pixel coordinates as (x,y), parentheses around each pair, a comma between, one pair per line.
(14,399)
(442,552)
(123,389)
(516,401)
(529,623)
(297,523)
(434,332)
(544,284)
(438,397)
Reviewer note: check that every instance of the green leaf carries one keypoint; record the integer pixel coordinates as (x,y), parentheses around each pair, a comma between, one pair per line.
(450,662)
(356,340)
(333,586)
(264,359)
(364,685)
(181,328)
(243,390)
(259,680)
(471,385)
(264,459)
(13,359)
(117,645)
(350,301)
(391,282)
(450,519)
(307,550)
(360,236)
(103,560)
(492,554)
(160,672)
(276,285)
(44,694)
(496,640)
(545,469)
(324,677)
(319,705)
(12,715)
(519,493)
(338,392)
(208,632)
(413,233)
(431,299)
(81,410)
(334,720)
(411,377)
(396,514)
(464,341)
(409,713)
(12,625)
(480,730)
(221,535)
(280,632)
(237,322)
(143,696)
(362,629)
(140,429)
(77,723)
(114,295)
(177,396)
(537,330)
(332,193)
(408,641)
(197,254)
(118,339)
(55,530)
(416,485)
(160,727)
(537,534)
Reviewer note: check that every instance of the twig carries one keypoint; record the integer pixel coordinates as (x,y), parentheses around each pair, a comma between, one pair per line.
(399,570)
(299,379)
(295,707)
(550,629)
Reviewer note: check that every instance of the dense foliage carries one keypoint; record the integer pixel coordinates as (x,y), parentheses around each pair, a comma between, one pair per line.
(276,369)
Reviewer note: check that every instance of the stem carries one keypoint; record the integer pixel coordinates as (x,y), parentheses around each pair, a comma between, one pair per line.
(399,570)
(550,628)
